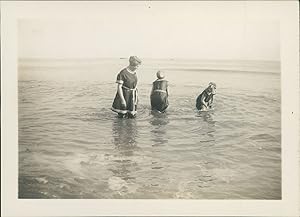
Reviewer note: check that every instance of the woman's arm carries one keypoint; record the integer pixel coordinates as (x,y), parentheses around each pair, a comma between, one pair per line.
(120,92)
(203,100)
(211,100)
(152,89)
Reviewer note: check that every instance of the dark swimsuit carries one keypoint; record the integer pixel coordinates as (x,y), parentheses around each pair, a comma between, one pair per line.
(207,97)
(129,82)
(159,95)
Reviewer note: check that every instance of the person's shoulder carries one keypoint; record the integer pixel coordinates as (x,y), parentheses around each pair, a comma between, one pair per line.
(166,82)
(160,80)
(203,92)
(123,71)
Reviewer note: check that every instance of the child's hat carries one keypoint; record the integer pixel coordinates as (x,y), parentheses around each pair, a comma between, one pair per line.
(212,84)
(160,74)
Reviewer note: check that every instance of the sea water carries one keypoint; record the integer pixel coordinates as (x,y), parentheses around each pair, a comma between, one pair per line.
(71,145)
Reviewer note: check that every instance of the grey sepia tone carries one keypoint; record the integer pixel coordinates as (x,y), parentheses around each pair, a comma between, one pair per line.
(71,145)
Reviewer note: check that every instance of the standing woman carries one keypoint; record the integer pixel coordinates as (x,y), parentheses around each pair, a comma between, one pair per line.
(125,102)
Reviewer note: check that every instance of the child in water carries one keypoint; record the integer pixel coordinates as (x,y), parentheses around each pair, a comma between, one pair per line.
(159,94)
(205,99)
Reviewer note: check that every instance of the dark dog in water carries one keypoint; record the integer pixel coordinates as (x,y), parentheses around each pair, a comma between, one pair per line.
(205,99)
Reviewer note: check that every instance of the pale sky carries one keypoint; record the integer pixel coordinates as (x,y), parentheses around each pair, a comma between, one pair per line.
(198,30)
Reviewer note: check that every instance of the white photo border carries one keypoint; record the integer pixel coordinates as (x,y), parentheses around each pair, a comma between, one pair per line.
(287,14)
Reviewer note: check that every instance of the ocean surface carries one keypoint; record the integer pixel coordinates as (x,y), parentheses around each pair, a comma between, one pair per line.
(71,145)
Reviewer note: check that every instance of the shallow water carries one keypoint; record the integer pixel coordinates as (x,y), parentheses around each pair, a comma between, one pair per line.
(71,145)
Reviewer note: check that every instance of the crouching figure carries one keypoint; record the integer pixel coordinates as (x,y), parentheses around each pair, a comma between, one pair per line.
(205,99)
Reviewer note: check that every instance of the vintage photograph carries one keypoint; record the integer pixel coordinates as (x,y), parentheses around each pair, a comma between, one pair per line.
(150,100)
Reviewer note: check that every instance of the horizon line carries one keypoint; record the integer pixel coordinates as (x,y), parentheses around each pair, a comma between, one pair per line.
(146,58)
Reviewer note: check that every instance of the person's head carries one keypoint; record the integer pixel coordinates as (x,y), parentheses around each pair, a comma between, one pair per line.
(134,63)
(160,75)
(211,89)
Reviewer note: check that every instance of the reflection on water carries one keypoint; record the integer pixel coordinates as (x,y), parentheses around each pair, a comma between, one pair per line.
(158,132)
(206,116)
(124,135)
(124,132)
(210,125)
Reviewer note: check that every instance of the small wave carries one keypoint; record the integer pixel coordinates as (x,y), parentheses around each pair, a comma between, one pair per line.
(157,168)
(42,180)
(207,141)
(264,137)
(116,183)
